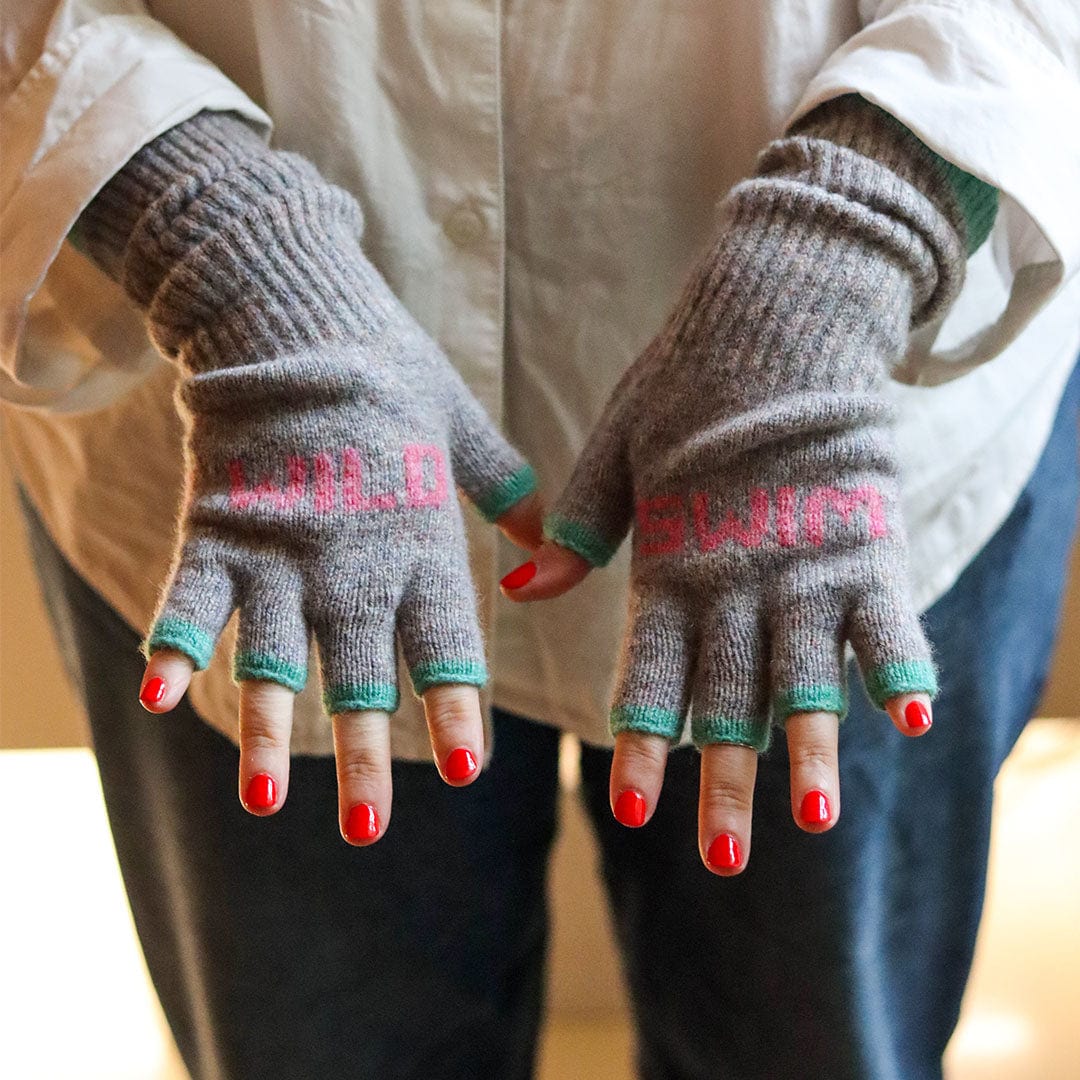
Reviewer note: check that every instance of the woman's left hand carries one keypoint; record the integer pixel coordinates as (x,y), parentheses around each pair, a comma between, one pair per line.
(750,451)
(728,771)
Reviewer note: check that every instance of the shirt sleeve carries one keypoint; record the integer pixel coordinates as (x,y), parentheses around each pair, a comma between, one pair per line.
(993,87)
(85,84)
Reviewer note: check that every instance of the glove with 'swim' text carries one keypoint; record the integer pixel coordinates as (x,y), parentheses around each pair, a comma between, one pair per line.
(750,447)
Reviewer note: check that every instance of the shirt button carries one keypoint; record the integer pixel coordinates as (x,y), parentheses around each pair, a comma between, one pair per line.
(465,226)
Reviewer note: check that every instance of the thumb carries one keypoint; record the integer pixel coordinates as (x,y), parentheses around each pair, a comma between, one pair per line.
(556,570)
(523,523)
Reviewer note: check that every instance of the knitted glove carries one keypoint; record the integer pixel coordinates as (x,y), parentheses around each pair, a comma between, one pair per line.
(751,443)
(325,430)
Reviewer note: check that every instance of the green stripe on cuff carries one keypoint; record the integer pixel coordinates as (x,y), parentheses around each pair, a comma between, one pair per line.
(173,633)
(506,494)
(903,677)
(440,672)
(822,697)
(707,730)
(978,202)
(355,697)
(647,720)
(250,665)
(590,545)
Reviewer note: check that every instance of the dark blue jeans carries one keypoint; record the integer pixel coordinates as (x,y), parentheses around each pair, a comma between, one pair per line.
(280,952)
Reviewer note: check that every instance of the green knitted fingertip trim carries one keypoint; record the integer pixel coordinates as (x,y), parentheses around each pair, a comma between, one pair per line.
(355,697)
(438,672)
(707,730)
(172,633)
(494,503)
(252,665)
(647,720)
(902,677)
(590,545)
(822,697)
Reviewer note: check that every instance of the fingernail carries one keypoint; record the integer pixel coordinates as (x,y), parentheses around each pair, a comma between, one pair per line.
(815,808)
(261,792)
(153,691)
(724,852)
(362,823)
(630,809)
(519,576)
(916,714)
(460,764)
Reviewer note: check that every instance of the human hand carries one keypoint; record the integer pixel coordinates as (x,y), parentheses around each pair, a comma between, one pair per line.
(750,447)
(361,737)
(325,434)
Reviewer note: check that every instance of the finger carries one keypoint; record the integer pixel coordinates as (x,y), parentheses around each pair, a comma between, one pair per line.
(593,512)
(637,775)
(730,725)
(651,687)
(648,710)
(456,727)
(272,634)
(731,689)
(444,650)
(486,467)
(199,598)
(912,714)
(165,680)
(807,669)
(362,754)
(354,629)
(552,571)
(815,775)
(266,712)
(894,655)
(523,523)
(270,666)
(725,806)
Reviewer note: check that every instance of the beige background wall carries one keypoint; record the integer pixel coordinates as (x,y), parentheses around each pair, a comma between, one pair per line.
(37,708)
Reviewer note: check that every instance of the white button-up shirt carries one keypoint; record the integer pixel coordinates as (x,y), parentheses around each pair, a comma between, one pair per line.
(537,181)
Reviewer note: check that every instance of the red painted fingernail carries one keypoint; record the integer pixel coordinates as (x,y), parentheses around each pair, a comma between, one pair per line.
(724,852)
(459,764)
(916,714)
(630,809)
(153,691)
(261,792)
(519,576)
(362,823)
(815,808)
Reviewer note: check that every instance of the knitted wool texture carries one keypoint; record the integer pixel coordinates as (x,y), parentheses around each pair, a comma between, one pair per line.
(325,430)
(750,446)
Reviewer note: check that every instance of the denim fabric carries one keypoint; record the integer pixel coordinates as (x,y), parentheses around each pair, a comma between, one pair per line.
(844,955)
(277,950)
(280,952)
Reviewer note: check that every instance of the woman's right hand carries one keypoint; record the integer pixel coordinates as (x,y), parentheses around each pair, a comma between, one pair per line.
(749,450)
(361,737)
(325,436)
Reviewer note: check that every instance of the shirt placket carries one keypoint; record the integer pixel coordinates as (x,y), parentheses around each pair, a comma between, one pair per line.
(466,192)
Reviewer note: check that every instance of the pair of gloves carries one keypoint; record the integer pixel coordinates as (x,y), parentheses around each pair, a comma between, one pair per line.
(748,448)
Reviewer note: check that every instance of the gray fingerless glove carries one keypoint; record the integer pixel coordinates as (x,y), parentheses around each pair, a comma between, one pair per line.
(325,431)
(751,445)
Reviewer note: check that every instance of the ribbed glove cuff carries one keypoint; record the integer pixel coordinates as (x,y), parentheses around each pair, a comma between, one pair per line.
(236,251)
(897,197)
